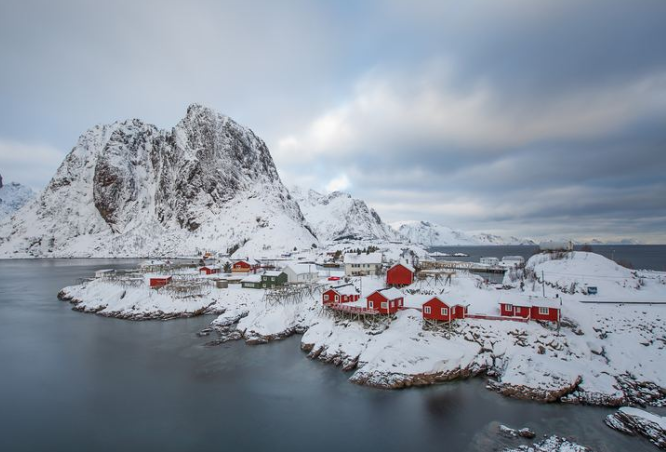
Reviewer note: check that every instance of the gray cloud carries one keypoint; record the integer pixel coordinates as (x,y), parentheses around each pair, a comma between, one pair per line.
(520,117)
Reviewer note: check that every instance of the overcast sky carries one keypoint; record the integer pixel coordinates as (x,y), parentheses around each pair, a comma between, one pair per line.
(532,118)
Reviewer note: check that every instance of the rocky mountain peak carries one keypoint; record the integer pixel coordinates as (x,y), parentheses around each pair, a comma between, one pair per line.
(131,176)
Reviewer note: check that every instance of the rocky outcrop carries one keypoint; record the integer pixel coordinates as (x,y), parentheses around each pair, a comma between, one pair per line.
(552,443)
(104,311)
(131,189)
(637,422)
(399,381)
(551,394)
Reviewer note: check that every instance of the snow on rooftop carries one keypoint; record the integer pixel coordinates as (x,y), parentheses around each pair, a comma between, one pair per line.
(346,289)
(372,258)
(519,299)
(252,278)
(273,273)
(406,265)
(391,293)
(302,269)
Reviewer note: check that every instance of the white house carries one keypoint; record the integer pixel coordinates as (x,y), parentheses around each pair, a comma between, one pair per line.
(363,264)
(492,261)
(513,261)
(301,273)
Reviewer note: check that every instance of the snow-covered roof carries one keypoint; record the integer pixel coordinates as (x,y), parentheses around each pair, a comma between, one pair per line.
(529,300)
(372,258)
(212,267)
(391,293)
(247,261)
(252,278)
(345,289)
(273,273)
(407,266)
(302,269)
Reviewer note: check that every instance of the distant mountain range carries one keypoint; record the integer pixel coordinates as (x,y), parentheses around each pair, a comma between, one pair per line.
(209,184)
(430,234)
(338,216)
(13,196)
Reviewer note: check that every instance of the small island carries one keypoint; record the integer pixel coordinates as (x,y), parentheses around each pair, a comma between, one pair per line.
(620,329)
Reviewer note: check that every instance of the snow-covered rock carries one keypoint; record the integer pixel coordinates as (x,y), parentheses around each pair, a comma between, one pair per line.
(552,443)
(431,234)
(633,421)
(13,196)
(131,189)
(338,216)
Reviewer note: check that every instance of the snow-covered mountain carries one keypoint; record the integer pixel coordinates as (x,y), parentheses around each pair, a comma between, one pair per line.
(338,216)
(431,234)
(131,189)
(13,196)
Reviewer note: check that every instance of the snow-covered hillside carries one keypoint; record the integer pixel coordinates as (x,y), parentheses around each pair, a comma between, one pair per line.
(13,196)
(337,215)
(131,189)
(431,234)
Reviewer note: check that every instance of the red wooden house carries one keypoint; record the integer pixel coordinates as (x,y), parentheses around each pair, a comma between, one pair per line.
(159,281)
(345,293)
(400,275)
(245,266)
(210,269)
(535,308)
(436,309)
(386,301)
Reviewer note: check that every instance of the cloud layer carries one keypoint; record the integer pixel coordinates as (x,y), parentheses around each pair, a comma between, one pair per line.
(543,119)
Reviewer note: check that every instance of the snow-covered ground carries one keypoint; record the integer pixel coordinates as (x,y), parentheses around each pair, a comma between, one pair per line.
(609,354)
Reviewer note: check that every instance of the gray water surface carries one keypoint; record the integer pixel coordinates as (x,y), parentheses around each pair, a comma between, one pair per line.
(80,382)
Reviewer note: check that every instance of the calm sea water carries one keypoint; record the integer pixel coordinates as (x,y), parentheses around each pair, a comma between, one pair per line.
(80,382)
(648,257)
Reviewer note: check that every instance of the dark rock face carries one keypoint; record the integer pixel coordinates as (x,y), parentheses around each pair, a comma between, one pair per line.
(0,180)
(206,159)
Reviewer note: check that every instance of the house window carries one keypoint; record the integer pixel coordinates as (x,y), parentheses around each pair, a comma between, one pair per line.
(544,311)
(371,305)
(445,311)
(427,310)
(337,298)
(383,305)
(393,304)
(508,307)
(272,278)
(325,297)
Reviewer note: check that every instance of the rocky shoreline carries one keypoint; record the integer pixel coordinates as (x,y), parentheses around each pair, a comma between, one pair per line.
(101,310)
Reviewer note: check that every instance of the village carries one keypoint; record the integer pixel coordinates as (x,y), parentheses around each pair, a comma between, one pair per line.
(340,285)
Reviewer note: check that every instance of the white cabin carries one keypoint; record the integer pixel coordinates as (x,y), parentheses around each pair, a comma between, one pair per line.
(301,273)
(363,264)
(513,261)
(492,261)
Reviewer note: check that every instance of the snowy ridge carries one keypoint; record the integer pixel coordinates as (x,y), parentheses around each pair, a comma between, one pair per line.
(431,234)
(13,196)
(337,215)
(131,189)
